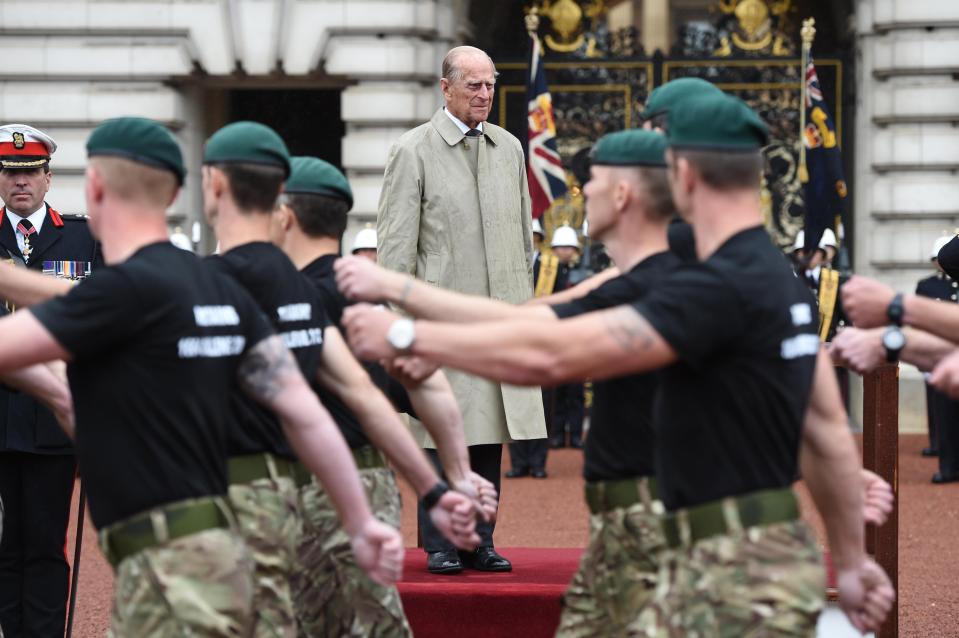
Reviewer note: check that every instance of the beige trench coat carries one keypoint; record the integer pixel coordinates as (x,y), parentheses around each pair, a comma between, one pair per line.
(473,235)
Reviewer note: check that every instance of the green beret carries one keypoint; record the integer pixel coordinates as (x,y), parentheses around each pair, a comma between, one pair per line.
(716,123)
(139,140)
(666,96)
(314,176)
(247,143)
(633,147)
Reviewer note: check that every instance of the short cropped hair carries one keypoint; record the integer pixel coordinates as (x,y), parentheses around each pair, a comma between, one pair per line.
(318,215)
(658,193)
(254,186)
(727,171)
(136,182)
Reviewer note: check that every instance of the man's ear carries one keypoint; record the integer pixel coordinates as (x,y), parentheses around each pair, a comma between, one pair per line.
(445,86)
(95,190)
(622,193)
(687,173)
(287,218)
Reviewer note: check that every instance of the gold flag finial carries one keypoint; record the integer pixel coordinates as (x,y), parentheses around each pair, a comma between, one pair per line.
(808,31)
(532,20)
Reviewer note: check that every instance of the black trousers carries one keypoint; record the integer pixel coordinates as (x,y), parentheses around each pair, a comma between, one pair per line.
(34,574)
(485,461)
(569,413)
(531,455)
(946,413)
(931,393)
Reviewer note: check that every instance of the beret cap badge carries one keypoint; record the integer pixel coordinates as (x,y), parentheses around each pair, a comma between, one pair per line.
(18,140)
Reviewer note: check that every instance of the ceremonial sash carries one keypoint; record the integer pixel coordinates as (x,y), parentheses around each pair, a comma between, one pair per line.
(548,269)
(828,293)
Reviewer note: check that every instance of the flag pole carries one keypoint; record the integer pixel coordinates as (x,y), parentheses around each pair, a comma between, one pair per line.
(808,33)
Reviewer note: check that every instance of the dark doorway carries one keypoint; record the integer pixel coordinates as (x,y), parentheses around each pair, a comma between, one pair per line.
(308,120)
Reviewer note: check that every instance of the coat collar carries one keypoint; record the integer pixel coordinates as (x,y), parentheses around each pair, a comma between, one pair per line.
(47,237)
(451,133)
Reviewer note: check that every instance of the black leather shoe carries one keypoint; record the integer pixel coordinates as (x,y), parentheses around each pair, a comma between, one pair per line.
(539,473)
(447,562)
(485,559)
(557,443)
(517,473)
(939,478)
(576,442)
(928,451)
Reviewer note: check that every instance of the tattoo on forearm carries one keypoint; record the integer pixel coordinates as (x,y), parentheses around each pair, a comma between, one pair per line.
(628,329)
(263,368)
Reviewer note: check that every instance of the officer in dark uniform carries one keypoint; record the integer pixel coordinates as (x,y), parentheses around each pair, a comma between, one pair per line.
(37,467)
(938,286)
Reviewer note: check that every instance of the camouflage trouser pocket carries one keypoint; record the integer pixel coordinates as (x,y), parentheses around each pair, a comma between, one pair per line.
(266,514)
(197,585)
(765,581)
(617,576)
(333,597)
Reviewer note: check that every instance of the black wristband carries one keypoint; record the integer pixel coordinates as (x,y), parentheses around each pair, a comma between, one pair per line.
(431,498)
(895,310)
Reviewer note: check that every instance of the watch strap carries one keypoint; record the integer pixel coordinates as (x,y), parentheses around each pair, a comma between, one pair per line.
(895,310)
(431,498)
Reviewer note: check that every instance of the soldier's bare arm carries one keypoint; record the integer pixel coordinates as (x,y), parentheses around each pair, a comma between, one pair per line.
(23,287)
(439,412)
(269,375)
(343,375)
(866,301)
(361,280)
(24,341)
(578,291)
(862,349)
(832,471)
(43,384)
(598,345)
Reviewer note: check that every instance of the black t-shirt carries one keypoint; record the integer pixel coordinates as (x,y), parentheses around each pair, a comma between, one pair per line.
(294,308)
(729,414)
(620,441)
(682,242)
(155,343)
(321,274)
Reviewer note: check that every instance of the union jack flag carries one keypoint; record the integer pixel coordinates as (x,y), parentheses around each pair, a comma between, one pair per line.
(544,169)
(823,184)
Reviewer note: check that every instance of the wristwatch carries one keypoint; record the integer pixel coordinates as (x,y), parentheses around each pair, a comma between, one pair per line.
(895,310)
(401,334)
(893,340)
(431,498)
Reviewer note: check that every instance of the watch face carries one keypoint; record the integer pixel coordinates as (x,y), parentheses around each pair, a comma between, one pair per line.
(401,334)
(893,339)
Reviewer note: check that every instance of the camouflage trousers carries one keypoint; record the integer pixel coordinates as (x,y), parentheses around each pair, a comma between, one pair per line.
(268,520)
(196,585)
(764,581)
(333,596)
(617,577)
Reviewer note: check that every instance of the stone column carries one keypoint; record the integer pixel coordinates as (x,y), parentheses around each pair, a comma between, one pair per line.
(907,147)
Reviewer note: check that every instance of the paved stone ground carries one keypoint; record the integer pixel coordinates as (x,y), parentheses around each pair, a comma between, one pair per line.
(551,513)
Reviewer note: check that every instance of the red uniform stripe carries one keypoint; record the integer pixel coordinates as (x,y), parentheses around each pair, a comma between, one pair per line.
(29,148)
(55,217)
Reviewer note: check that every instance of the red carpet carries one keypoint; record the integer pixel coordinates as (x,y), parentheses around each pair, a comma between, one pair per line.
(524,602)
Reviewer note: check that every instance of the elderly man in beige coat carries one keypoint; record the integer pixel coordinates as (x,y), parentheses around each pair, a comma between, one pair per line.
(455,212)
